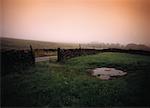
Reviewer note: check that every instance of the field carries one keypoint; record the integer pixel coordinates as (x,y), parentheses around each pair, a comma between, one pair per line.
(20,44)
(69,84)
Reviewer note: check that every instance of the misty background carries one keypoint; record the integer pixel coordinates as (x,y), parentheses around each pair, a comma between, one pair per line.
(77,21)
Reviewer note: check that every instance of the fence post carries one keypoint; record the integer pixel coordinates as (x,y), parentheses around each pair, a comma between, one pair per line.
(79,46)
(32,55)
(58,55)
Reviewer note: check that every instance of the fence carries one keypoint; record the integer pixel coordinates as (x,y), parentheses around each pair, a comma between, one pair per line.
(45,52)
(69,53)
(14,59)
(130,51)
(64,54)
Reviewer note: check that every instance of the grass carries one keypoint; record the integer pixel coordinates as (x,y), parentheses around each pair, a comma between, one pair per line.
(21,44)
(68,84)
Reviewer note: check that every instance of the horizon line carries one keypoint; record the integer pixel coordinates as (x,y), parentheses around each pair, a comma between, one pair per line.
(92,42)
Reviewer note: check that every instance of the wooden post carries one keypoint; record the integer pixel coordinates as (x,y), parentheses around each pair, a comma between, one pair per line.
(58,55)
(80,51)
(79,46)
(32,55)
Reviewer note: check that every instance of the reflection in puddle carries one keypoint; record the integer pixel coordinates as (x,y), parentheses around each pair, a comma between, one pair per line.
(107,73)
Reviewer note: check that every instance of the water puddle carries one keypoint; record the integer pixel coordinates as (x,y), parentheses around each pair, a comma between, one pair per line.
(107,73)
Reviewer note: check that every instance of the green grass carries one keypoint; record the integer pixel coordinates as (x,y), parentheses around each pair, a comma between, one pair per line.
(68,84)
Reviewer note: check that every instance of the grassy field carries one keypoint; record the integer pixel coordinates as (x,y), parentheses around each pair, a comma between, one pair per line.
(20,44)
(69,84)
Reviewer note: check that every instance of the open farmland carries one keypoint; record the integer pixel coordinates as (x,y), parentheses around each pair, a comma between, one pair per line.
(75,53)
(69,84)
(20,44)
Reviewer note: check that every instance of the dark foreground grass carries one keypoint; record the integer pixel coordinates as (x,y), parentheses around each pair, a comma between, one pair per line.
(68,84)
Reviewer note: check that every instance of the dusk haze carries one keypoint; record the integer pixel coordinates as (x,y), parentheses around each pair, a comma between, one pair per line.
(78,21)
(75,53)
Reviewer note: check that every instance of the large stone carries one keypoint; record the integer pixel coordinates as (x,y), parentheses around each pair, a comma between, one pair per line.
(107,73)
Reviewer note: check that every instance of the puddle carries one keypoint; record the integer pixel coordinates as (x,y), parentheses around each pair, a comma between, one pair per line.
(107,73)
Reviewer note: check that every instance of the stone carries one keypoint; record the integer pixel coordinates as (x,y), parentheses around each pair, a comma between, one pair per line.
(107,73)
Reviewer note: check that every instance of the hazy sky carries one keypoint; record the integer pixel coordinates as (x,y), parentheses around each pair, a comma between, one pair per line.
(109,21)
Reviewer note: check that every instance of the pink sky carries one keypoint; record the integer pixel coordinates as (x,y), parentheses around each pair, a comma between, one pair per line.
(109,21)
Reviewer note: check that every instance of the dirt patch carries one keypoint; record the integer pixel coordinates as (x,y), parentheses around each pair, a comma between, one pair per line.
(107,73)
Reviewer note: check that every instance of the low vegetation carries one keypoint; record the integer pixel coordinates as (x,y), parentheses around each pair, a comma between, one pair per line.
(20,44)
(69,84)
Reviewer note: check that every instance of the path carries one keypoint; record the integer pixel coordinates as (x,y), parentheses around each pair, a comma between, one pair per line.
(46,58)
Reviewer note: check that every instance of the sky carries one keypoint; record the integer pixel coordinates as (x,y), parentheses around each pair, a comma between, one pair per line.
(77,21)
